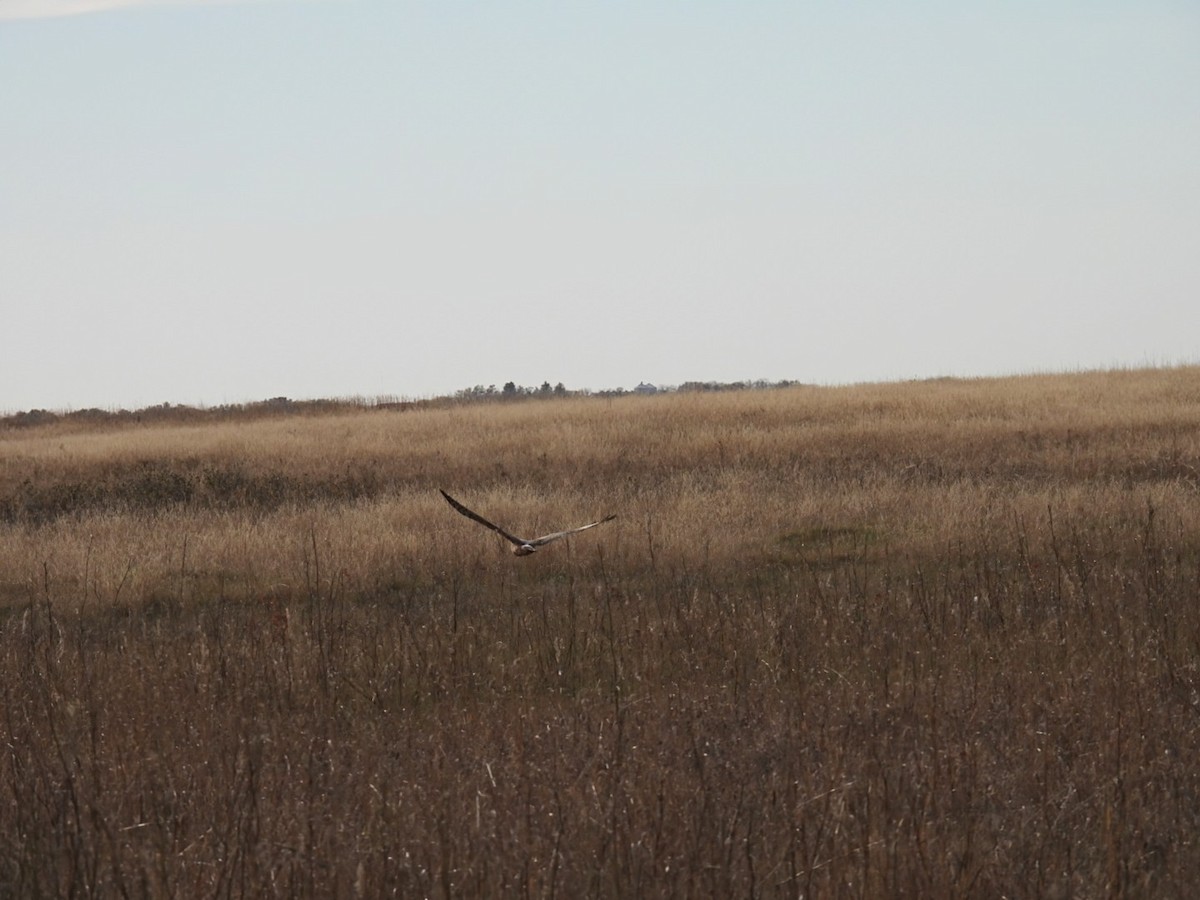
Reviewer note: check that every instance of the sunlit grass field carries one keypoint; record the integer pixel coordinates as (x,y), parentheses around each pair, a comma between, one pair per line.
(930,639)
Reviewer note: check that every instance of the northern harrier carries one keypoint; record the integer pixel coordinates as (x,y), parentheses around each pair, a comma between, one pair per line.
(521,547)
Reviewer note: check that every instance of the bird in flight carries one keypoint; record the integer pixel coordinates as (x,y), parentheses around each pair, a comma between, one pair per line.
(521,547)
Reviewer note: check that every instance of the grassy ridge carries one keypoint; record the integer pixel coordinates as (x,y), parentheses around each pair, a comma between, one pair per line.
(933,639)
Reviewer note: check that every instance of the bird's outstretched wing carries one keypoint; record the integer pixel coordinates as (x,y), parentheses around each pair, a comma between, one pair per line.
(481,520)
(547,538)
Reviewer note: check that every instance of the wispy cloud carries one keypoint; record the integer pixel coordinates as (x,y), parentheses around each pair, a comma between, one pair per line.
(47,9)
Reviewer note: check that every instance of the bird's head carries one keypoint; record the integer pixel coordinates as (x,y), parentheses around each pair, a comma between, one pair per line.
(524,549)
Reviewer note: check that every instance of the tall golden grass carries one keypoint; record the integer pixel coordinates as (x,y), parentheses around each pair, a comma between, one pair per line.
(922,639)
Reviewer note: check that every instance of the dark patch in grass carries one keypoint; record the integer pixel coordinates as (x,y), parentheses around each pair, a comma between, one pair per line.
(828,545)
(148,487)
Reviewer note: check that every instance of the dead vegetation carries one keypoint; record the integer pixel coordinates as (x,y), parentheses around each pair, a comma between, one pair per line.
(930,639)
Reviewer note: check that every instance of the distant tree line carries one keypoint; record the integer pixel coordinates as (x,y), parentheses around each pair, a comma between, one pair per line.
(512,391)
(283,406)
(177,412)
(758,385)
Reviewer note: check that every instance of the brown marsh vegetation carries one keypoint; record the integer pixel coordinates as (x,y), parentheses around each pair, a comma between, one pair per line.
(935,639)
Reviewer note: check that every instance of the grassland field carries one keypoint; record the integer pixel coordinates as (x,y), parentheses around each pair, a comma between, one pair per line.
(926,639)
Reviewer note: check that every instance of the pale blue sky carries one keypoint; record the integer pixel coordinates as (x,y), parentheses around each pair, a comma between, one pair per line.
(217,202)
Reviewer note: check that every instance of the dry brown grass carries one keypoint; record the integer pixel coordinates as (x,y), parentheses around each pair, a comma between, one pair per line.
(930,639)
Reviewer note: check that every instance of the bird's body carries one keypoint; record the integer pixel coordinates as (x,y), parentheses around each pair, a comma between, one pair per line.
(521,546)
